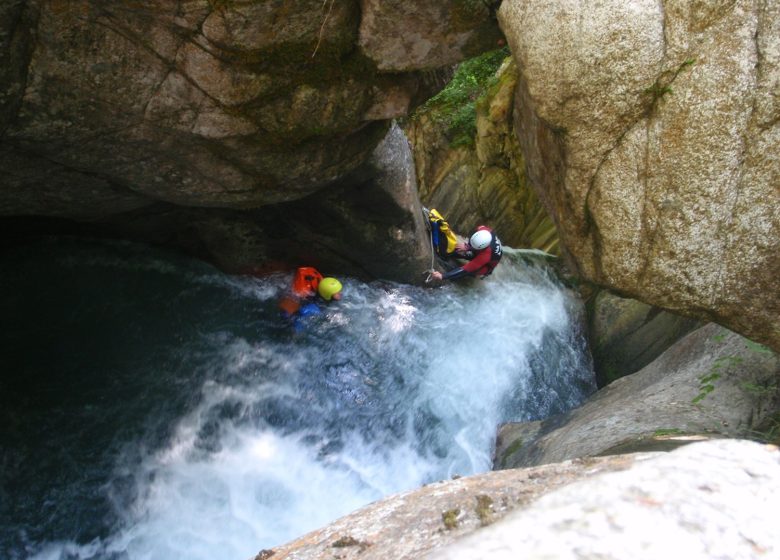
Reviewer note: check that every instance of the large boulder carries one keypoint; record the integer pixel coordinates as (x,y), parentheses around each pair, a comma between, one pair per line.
(121,108)
(410,524)
(712,383)
(369,225)
(400,36)
(710,499)
(649,130)
(706,500)
(203,104)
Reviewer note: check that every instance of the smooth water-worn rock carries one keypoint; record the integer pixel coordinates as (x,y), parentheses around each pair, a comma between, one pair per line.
(711,382)
(702,501)
(706,500)
(411,524)
(649,130)
(625,335)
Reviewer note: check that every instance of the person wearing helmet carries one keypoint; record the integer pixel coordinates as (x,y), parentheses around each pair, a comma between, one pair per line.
(307,284)
(484,253)
(329,289)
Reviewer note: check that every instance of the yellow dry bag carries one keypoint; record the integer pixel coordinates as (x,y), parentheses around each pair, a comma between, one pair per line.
(444,238)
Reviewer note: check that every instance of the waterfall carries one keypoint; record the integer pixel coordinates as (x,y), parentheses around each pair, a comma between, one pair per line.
(159,409)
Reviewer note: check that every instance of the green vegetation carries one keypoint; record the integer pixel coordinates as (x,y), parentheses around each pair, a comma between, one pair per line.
(706,385)
(662,85)
(726,361)
(346,541)
(513,448)
(349,540)
(756,347)
(450,518)
(758,389)
(484,509)
(706,381)
(667,432)
(768,431)
(456,104)
(656,91)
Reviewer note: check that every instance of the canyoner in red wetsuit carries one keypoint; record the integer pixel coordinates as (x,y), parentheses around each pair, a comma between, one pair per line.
(302,300)
(484,253)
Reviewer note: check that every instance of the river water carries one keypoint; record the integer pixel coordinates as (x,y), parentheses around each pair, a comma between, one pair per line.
(155,408)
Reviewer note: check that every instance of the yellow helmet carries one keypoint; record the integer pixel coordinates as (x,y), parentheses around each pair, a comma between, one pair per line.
(328,288)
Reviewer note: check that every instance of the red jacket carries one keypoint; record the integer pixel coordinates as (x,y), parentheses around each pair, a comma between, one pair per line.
(483,262)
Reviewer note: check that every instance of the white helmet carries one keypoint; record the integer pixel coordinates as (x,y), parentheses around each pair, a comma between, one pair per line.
(480,239)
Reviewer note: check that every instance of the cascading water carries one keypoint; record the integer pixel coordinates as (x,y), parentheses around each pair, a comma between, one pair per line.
(155,408)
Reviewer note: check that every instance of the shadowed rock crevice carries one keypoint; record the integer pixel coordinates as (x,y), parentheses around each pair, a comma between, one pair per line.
(706,383)
(626,335)
(366,225)
(18,21)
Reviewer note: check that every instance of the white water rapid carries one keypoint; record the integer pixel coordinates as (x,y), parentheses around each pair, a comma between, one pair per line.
(233,433)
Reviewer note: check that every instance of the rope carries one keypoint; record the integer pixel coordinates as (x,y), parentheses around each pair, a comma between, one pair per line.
(433,255)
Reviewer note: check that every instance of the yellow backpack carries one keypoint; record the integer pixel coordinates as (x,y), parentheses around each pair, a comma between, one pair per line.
(446,240)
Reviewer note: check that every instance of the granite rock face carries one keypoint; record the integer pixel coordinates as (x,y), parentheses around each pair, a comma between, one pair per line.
(706,500)
(649,129)
(401,36)
(198,103)
(410,524)
(113,108)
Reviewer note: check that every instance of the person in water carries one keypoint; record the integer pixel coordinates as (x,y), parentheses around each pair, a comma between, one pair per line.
(483,251)
(308,283)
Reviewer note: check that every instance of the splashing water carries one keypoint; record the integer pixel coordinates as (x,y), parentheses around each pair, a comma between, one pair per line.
(159,409)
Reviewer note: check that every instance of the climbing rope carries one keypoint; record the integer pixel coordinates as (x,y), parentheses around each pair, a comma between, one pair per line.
(433,250)
(433,260)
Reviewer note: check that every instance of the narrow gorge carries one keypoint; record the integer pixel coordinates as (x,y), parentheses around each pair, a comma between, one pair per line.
(610,389)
